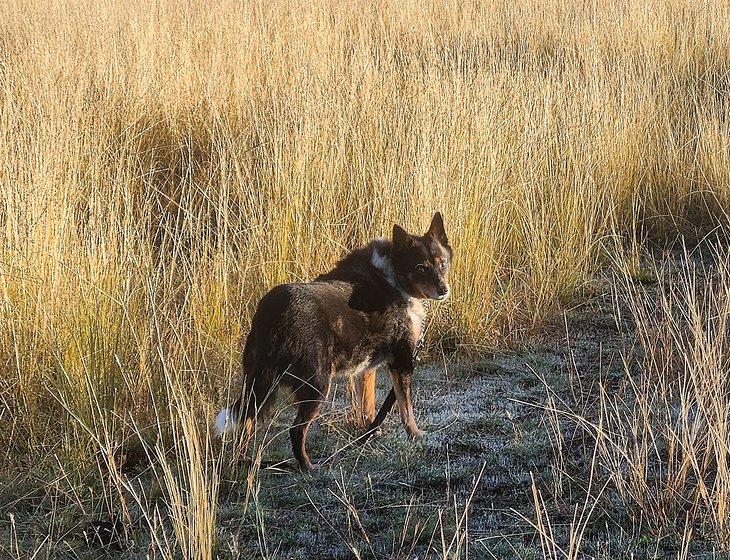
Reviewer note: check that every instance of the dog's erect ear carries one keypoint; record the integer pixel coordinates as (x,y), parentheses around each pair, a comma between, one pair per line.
(436,229)
(401,238)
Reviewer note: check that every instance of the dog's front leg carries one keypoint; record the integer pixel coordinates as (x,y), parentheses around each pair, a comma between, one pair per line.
(401,374)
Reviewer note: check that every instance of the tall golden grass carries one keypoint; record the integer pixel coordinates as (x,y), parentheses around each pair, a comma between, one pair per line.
(163,163)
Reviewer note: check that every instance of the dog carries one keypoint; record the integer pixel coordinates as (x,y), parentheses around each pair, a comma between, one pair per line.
(366,312)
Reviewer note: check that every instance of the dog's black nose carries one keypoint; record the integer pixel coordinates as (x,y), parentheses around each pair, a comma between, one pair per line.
(441,291)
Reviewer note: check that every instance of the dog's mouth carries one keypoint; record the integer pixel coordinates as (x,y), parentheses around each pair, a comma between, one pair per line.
(421,291)
(441,297)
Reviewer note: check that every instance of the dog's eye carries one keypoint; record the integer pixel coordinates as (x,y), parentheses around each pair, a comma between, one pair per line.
(443,265)
(421,268)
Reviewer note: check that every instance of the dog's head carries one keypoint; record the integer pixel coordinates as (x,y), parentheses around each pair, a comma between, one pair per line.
(421,264)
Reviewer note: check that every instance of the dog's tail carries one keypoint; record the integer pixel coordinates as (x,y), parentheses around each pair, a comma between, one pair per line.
(226,421)
(256,397)
(258,392)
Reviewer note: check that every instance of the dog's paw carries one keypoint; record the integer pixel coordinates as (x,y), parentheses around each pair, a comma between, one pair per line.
(415,433)
(314,465)
(309,467)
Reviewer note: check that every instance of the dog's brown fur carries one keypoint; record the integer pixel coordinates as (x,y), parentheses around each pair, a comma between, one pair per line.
(365,312)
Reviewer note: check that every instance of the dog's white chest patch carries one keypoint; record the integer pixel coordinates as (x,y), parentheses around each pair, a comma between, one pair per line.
(417,315)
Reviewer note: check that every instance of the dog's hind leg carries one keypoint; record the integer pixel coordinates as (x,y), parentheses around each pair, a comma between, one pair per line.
(308,411)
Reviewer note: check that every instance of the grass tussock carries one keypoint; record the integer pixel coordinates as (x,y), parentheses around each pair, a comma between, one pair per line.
(664,435)
(164,164)
(655,430)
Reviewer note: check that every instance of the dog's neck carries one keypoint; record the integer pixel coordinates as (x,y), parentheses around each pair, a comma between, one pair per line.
(380,259)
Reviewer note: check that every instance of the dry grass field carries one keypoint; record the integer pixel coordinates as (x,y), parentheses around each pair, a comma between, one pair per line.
(164,163)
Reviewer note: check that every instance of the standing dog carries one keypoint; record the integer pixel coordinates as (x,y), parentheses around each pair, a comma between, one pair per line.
(366,312)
